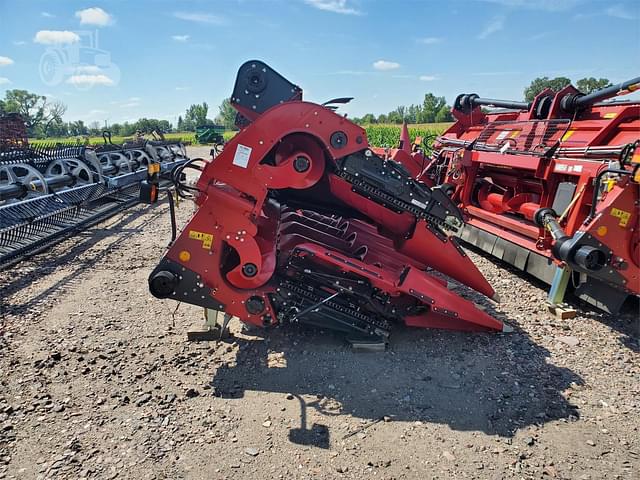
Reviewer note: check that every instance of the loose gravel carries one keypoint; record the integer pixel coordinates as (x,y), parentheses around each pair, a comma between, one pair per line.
(97,380)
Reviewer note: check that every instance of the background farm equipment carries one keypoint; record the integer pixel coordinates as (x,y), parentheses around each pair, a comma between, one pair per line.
(210,134)
(550,186)
(50,192)
(300,221)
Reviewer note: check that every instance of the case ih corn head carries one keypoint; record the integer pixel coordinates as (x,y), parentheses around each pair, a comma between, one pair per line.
(50,192)
(550,186)
(298,220)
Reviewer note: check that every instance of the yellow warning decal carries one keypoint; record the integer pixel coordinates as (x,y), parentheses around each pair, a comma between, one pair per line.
(568,134)
(610,115)
(515,133)
(634,87)
(206,238)
(622,215)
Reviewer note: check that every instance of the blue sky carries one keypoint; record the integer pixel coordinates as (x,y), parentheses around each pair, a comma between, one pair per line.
(121,60)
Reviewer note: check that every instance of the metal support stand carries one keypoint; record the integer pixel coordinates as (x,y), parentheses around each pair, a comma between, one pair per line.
(559,285)
(556,294)
(211,330)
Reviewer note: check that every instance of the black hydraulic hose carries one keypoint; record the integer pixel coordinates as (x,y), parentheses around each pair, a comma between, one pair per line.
(467,102)
(172,214)
(576,101)
(596,189)
(604,93)
(492,102)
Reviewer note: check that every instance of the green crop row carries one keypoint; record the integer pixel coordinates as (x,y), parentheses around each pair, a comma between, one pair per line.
(384,135)
(187,137)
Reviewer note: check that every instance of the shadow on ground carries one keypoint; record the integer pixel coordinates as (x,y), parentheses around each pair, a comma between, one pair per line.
(471,382)
(79,256)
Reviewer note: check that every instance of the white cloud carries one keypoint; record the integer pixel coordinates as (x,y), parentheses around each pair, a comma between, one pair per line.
(619,11)
(335,6)
(47,15)
(84,80)
(56,37)
(94,16)
(181,38)
(181,89)
(385,65)
(4,81)
(430,40)
(4,61)
(495,25)
(91,69)
(19,43)
(428,78)
(207,18)
(97,111)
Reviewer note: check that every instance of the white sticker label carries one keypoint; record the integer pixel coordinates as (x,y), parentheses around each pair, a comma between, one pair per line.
(503,134)
(561,167)
(241,158)
(418,203)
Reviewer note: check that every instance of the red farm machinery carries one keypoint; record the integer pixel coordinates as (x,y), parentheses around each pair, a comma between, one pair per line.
(550,186)
(300,221)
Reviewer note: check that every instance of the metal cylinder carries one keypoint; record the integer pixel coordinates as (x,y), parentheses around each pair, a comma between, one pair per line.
(467,102)
(573,102)
(18,190)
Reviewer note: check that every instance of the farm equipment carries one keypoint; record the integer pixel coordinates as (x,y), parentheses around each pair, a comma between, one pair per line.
(210,134)
(550,186)
(300,221)
(50,192)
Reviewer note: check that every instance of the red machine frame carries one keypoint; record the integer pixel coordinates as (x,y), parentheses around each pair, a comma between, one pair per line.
(562,169)
(299,220)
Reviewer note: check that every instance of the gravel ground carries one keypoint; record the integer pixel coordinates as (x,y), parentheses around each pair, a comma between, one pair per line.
(97,381)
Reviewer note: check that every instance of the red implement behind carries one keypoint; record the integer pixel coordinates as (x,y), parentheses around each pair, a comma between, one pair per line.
(551,186)
(299,220)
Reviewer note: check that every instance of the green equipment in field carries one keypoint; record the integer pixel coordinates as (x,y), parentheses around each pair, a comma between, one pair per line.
(210,134)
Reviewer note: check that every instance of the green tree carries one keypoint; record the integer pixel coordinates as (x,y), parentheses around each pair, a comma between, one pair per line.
(382,118)
(394,117)
(180,125)
(588,85)
(431,105)
(368,119)
(196,115)
(29,105)
(37,113)
(444,114)
(226,115)
(52,124)
(78,128)
(540,83)
(115,129)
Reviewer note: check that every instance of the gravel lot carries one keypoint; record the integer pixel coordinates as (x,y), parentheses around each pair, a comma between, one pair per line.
(97,381)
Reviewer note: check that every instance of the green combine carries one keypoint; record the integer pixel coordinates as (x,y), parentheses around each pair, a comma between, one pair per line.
(210,134)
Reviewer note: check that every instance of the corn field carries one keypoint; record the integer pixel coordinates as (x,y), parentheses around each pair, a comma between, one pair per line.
(388,135)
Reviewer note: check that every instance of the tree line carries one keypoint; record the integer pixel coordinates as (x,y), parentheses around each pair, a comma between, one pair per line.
(432,110)
(43,118)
